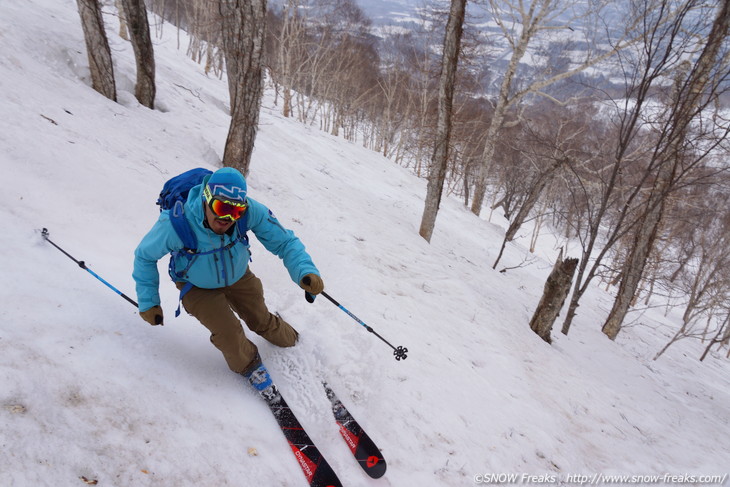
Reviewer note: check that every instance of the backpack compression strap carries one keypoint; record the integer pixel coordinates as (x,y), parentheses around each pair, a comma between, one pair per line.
(187,287)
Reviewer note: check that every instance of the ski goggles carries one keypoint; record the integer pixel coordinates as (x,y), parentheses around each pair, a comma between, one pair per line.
(225,209)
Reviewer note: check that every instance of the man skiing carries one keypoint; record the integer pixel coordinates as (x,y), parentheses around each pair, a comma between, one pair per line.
(216,279)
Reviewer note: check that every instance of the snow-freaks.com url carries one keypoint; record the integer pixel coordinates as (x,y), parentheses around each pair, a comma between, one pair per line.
(599,479)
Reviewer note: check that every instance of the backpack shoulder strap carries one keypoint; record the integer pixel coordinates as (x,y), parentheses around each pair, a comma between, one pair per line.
(182,227)
(243,224)
(190,244)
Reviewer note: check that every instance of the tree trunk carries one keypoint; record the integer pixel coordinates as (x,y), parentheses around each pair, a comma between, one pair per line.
(537,12)
(97,48)
(636,261)
(122,20)
(556,290)
(723,334)
(244,25)
(287,38)
(440,157)
(139,30)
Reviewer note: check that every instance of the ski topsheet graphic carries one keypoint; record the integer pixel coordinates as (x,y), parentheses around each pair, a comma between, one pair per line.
(362,447)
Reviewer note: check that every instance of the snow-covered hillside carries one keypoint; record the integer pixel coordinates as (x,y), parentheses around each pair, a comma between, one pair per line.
(90,391)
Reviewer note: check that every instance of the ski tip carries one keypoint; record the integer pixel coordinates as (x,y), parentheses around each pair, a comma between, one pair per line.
(374,466)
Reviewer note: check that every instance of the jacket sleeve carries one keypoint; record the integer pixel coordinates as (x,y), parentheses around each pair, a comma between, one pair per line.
(160,240)
(280,241)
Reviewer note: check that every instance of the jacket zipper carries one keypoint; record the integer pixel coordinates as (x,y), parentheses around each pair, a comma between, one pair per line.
(223,260)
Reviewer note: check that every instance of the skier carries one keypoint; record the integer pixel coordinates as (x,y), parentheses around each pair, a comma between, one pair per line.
(216,280)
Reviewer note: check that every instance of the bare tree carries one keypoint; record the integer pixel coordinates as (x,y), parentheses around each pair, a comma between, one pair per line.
(694,91)
(533,18)
(323,61)
(243,29)
(722,337)
(440,157)
(97,48)
(550,138)
(393,119)
(704,281)
(288,53)
(610,191)
(422,93)
(135,15)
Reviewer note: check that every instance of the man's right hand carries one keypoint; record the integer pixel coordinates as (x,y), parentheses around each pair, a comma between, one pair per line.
(153,316)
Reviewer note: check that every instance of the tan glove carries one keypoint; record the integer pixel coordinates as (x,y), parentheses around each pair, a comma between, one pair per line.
(312,283)
(153,316)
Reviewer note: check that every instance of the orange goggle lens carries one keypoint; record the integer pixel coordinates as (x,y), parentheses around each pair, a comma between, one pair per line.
(227,209)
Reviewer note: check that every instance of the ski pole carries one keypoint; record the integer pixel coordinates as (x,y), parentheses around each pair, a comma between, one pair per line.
(81,264)
(399,352)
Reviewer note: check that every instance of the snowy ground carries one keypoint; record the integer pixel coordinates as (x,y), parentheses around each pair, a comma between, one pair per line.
(88,390)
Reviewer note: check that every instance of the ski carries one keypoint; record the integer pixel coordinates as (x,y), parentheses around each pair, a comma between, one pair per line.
(363,448)
(316,469)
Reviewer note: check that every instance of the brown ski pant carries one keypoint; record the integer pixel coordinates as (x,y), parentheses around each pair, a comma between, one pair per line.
(214,308)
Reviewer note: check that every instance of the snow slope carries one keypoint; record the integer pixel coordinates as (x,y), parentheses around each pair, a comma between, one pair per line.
(89,391)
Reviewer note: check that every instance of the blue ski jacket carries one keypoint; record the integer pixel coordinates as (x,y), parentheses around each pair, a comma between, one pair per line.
(222,260)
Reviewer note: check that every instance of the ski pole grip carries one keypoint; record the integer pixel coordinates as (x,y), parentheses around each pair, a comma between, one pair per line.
(310,299)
